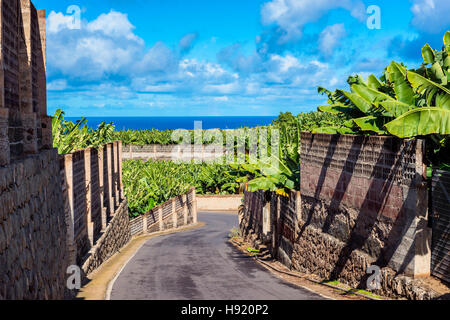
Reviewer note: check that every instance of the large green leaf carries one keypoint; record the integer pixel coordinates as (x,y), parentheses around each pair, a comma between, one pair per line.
(373,82)
(421,122)
(431,89)
(436,69)
(428,54)
(333,130)
(422,84)
(369,124)
(370,95)
(361,103)
(338,108)
(262,183)
(403,91)
(443,101)
(396,108)
(447,41)
(447,38)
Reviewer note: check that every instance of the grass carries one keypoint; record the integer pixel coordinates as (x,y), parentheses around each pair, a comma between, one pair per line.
(353,291)
(234,233)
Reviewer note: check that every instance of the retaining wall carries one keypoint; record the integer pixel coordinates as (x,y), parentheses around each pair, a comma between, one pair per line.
(25,127)
(33,258)
(55,211)
(369,192)
(363,202)
(33,255)
(176,212)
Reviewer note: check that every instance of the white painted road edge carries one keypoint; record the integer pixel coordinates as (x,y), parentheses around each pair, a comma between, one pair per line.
(111,283)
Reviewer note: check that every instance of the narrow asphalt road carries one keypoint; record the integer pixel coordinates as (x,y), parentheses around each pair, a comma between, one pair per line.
(200,264)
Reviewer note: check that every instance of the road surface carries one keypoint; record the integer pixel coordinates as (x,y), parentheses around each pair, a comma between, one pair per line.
(200,264)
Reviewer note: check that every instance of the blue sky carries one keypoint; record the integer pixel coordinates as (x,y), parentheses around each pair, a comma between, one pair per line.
(224,58)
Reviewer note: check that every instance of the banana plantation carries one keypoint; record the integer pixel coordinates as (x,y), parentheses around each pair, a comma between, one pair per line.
(403,102)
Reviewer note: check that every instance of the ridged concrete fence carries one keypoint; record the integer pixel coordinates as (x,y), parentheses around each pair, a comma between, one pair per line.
(172,152)
(177,212)
(92,185)
(440,245)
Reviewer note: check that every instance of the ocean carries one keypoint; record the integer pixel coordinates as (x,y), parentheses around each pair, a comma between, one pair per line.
(163,123)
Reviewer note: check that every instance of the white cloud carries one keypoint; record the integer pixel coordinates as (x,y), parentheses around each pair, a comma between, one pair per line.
(107,61)
(114,24)
(159,58)
(57,85)
(330,38)
(284,64)
(431,15)
(292,15)
(187,41)
(207,71)
(107,46)
(228,88)
(58,21)
(104,46)
(221,99)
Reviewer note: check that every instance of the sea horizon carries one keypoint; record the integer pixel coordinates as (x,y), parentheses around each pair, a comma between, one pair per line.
(178,122)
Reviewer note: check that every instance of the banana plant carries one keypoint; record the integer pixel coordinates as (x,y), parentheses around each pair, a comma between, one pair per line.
(403,102)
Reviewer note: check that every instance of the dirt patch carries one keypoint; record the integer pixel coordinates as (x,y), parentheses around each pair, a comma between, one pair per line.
(437,286)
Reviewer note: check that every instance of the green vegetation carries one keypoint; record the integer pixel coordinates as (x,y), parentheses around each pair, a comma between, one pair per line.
(353,292)
(144,137)
(69,136)
(151,183)
(403,102)
(280,172)
(234,234)
(165,137)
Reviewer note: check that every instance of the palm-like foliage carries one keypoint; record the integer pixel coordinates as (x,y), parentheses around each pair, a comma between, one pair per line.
(405,103)
(69,136)
(148,184)
(280,171)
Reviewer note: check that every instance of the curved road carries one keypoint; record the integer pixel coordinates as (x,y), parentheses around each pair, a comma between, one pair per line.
(200,264)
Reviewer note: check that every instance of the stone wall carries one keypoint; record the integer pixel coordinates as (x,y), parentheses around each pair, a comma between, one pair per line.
(33,253)
(370,193)
(177,212)
(24,124)
(33,256)
(362,203)
(55,211)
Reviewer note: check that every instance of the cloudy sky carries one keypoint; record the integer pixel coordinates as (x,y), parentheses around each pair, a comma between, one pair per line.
(223,57)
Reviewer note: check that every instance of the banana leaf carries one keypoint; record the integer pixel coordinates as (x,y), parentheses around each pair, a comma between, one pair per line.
(361,103)
(402,88)
(428,54)
(421,122)
(369,124)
